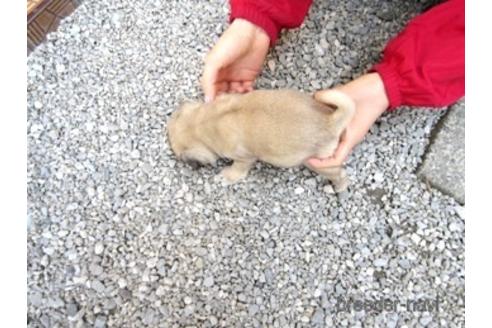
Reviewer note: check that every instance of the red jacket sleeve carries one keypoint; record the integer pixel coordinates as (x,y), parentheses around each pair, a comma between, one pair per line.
(424,65)
(271,15)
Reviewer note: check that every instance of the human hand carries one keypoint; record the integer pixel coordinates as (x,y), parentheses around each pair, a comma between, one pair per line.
(371,101)
(351,137)
(236,59)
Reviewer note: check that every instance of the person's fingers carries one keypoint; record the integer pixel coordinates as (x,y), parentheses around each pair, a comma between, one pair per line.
(248,86)
(222,87)
(236,86)
(208,81)
(338,158)
(324,162)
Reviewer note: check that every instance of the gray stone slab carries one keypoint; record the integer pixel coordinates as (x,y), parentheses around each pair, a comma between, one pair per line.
(444,163)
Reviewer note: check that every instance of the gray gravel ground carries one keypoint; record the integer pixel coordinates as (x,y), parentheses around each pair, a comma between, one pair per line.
(122,235)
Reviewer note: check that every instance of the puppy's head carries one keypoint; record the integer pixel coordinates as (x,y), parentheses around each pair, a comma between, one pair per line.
(185,142)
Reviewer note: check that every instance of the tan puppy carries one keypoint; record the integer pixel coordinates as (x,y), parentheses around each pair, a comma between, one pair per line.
(280,127)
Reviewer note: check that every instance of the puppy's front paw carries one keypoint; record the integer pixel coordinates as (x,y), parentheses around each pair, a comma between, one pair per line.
(231,175)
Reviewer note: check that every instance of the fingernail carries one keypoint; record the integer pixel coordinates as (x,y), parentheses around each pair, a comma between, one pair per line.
(208,99)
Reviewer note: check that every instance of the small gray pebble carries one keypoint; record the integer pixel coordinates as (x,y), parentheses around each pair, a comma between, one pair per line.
(208,282)
(100,322)
(72,309)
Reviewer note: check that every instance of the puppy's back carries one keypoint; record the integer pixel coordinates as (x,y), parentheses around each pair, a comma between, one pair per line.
(283,105)
(284,124)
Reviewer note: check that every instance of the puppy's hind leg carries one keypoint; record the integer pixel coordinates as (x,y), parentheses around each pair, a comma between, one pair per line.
(337,176)
(237,171)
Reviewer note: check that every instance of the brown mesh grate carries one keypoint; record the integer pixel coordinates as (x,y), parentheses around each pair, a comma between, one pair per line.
(43,16)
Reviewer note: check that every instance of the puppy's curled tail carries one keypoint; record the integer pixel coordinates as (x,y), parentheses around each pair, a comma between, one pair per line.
(343,104)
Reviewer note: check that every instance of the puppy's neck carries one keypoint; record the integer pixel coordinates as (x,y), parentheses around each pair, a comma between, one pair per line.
(200,125)
(212,125)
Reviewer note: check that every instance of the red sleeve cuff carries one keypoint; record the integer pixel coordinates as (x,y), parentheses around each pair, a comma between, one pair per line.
(252,14)
(390,81)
